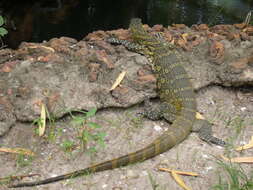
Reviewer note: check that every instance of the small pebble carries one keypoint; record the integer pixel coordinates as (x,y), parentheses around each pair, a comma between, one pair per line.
(131,174)
(104,186)
(243,108)
(157,128)
(209,168)
(144,173)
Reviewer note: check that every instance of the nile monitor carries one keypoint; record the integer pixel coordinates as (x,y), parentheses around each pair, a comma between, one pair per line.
(178,105)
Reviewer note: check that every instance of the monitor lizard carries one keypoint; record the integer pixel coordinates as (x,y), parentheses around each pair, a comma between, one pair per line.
(178,104)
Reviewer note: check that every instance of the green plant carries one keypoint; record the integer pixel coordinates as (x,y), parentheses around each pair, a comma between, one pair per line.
(5,180)
(52,133)
(86,130)
(51,119)
(23,160)
(36,122)
(213,20)
(248,19)
(68,145)
(3,31)
(154,185)
(235,178)
(237,125)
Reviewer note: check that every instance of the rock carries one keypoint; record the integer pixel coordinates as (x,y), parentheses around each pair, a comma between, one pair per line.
(65,74)
(7,118)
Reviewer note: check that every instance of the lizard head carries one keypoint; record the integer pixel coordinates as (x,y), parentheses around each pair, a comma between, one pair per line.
(150,45)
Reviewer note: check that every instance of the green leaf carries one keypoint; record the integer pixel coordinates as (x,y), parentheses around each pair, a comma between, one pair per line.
(3,31)
(101,135)
(91,112)
(1,20)
(86,136)
(92,149)
(101,142)
(93,125)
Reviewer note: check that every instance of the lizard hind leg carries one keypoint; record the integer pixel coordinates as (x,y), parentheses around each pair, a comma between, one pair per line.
(168,112)
(159,112)
(204,130)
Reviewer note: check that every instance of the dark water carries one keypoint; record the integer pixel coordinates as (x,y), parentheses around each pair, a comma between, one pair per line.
(31,20)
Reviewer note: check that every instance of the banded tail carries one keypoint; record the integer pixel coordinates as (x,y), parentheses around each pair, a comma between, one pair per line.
(160,145)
